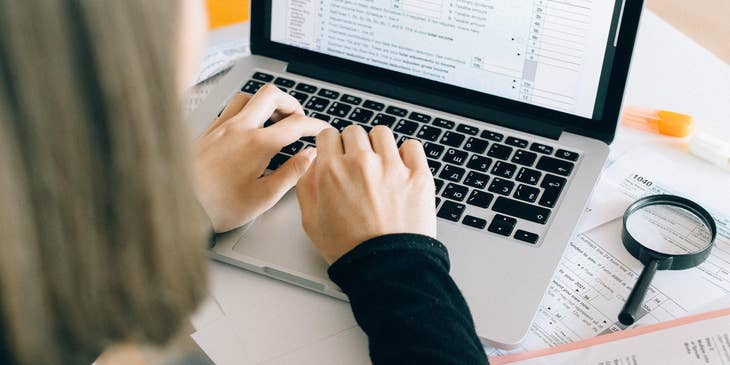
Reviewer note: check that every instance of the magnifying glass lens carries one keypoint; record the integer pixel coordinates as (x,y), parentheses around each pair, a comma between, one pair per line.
(669,230)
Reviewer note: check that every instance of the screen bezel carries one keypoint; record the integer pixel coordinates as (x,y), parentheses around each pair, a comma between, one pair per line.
(601,127)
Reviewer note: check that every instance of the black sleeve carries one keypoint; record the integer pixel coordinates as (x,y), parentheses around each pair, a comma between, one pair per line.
(404,299)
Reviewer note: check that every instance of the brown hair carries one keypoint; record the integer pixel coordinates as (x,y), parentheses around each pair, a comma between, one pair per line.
(101,238)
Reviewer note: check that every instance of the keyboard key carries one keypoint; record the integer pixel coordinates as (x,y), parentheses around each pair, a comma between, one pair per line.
(463,128)
(280,81)
(384,119)
(476,180)
(541,148)
(451,211)
(402,139)
(306,88)
(438,201)
(572,156)
(406,127)
(419,117)
(528,176)
(479,163)
(521,210)
(366,127)
(373,105)
(438,183)
(327,93)
(527,193)
(320,116)
(293,148)
(492,136)
(433,150)
(285,90)
(502,225)
(301,97)
(500,151)
(517,142)
(317,104)
(525,236)
(434,166)
(523,157)
(453,139)
(455,157)
(553,186)
(263,77)
(501,186)
(480,199)
(429,133)
(553,182)
(452,173)
(443,123)
(340,124)
(361,115)
(394,110)
(504,169)
(555,166)
(455,192)
(277,161)
(354,100)
(252,86)
(476,145)
(339,109)
(475,222)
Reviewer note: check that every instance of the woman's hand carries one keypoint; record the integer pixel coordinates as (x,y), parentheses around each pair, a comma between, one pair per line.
(360,188)
(232,154)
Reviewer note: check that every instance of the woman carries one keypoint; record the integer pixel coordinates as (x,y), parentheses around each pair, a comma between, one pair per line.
(102,235)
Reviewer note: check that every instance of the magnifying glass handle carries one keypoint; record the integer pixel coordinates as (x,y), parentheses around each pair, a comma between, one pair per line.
(628,313)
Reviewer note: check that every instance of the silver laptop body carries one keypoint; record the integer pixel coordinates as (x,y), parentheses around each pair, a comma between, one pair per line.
(502,277)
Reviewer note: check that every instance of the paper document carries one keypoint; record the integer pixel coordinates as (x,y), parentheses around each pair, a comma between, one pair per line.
(597,274)
(701,339)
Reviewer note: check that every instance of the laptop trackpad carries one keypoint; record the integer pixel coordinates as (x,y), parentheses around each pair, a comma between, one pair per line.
(277,238)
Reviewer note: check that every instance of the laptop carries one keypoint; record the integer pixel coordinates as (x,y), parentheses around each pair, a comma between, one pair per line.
(515,102)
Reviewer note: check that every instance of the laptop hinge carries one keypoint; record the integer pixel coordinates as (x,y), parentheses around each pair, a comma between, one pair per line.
(426,99)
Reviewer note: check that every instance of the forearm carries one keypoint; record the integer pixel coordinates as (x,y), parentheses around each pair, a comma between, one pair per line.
(404,299)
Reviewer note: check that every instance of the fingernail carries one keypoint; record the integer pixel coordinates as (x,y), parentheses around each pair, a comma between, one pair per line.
(310,152)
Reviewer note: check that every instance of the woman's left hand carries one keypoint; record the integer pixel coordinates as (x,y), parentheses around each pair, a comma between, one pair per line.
(233,153)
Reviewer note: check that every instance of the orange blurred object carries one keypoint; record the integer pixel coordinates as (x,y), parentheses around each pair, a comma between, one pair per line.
(664,122)
(226,12)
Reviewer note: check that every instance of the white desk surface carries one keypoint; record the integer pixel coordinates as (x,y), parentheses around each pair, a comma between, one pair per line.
(254,319)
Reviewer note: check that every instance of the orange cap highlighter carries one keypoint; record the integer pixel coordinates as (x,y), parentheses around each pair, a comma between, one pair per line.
(664,122)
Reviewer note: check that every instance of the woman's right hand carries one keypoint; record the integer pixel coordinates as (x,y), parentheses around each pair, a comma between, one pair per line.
(361,187)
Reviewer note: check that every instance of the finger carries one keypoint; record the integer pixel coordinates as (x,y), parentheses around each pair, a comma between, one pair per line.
(307,196)
(329,144)
(293,128)
(267,101)
(355,140)
(238,101)
(287,175)
(383,142)
(413,155)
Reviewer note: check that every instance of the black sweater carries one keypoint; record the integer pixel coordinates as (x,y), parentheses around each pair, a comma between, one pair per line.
(404,299)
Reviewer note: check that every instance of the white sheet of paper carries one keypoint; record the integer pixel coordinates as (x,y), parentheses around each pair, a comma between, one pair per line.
(704,339)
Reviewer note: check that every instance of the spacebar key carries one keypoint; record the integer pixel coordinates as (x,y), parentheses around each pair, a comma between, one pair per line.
(521,210)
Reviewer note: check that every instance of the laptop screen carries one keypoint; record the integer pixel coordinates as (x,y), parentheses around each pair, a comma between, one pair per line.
(548,53)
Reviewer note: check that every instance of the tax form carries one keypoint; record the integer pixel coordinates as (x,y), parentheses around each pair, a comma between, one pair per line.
(701,339)
(596,274)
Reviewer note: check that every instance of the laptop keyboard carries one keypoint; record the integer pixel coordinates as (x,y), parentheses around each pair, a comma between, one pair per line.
(484,180)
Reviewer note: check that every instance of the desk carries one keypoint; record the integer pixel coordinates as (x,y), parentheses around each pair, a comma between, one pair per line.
(253,319)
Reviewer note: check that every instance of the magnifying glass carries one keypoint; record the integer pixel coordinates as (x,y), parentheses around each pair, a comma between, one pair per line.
(664,232)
